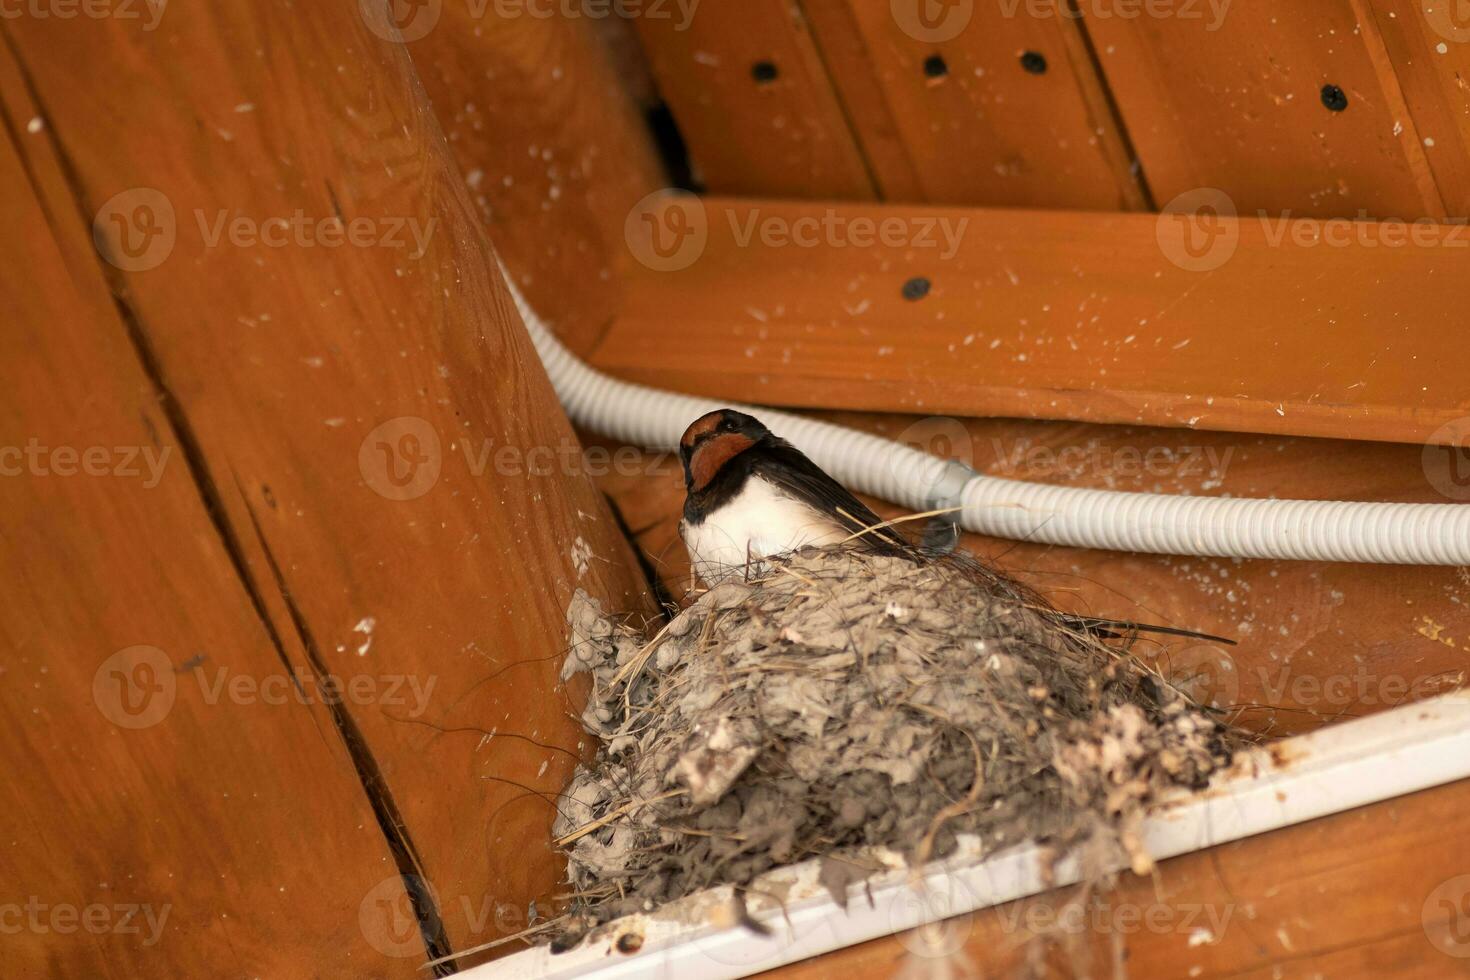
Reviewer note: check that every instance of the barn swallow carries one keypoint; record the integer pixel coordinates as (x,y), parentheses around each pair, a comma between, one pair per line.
(751,494)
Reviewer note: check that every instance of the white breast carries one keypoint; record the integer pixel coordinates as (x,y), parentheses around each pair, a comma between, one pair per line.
(758,522)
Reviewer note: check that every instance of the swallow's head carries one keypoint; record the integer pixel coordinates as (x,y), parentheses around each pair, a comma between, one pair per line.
(712,440)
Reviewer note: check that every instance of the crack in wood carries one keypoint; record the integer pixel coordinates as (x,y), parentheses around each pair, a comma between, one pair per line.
(385,808)
(380,798)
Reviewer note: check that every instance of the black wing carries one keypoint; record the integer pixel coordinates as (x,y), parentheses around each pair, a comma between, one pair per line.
(790,469)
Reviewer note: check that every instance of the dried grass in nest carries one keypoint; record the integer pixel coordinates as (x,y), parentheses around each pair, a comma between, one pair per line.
(846,700)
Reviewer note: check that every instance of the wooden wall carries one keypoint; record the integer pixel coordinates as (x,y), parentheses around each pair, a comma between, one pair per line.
(1330,108)
(241,249)
(549,135)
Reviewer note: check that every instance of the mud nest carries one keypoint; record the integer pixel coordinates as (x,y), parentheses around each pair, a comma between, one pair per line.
(846,700)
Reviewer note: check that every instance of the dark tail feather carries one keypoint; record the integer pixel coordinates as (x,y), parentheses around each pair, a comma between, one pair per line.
(1115,628)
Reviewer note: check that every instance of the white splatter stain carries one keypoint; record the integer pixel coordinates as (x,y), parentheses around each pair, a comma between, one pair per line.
(365,626)
(581,555)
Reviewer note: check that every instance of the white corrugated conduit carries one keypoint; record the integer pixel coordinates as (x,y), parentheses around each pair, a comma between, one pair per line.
(1327,530)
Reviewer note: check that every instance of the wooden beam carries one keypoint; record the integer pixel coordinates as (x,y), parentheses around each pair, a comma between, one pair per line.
(170,805)
(381,446)
(1353,895)
(1246,325)
(553,148)
(984,106)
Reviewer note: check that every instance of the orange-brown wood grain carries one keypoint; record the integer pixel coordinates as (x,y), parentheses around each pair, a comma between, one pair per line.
(177,800)
(1298,328)
(999,106)
(753,100)
(1428,46)
(552,145)
(1370,893)
(367,418)
(1230,96)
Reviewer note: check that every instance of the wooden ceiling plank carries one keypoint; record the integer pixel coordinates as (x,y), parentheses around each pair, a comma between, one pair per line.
(389,457)
(1398,107)
(1429,49)
(754,103)
(1103,114)
(852,66)
(1232,98)
(176,801)
(1000,107)
(1297,328)
(553,148)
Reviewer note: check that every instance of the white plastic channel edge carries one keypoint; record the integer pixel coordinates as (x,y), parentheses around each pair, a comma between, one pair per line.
(1347,765)
(1231,527)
